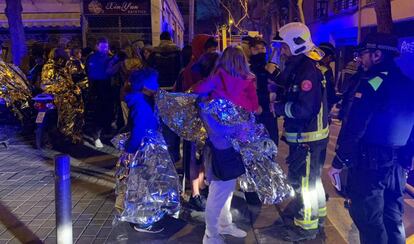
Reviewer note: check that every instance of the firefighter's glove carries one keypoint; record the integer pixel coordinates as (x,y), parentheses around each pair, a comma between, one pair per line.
(333,174)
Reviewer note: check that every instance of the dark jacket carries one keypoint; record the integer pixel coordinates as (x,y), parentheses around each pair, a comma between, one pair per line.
(381,117)
(331,96)
(258,69)
(97,65)
(141,117)
(304,105)
(167,61)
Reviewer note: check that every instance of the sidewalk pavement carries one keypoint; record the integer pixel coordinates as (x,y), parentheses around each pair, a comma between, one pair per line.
(27,207)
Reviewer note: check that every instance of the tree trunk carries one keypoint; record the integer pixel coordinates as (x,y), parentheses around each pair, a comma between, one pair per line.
(384,16)
(14,11)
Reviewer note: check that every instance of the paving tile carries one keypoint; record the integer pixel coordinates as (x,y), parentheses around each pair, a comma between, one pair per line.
(85,240)
(77,231)
(50,240)
(99,241)
(104,232)
(92,230)
(49,223)
(43,232)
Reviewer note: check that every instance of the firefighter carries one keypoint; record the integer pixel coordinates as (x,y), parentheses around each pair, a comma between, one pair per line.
(306,131)
(373,140)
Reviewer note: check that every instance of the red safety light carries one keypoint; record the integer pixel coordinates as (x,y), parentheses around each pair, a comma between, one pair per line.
(39,106)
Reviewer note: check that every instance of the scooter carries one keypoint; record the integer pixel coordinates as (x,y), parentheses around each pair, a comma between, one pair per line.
(46,119)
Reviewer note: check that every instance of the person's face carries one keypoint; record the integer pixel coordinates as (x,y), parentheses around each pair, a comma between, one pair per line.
(211,50)
(147,54)
(369,58)
(259,48)
(285,52)
(78,55)
(103,47)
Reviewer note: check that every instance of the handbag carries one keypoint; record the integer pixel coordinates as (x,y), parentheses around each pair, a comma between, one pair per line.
(227,164)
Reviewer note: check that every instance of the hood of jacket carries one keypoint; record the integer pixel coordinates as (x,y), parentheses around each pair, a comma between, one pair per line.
(167,46)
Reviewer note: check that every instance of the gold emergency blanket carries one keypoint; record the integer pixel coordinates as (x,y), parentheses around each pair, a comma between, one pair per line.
(147,184)
(14,88)
(77,71)
(57,81)
(263,174)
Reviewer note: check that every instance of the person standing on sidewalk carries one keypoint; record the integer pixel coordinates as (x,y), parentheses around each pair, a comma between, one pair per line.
(305,113)
(373,143)
(264,72)
(325,67)
(100,82)
(233,81)
(167,61)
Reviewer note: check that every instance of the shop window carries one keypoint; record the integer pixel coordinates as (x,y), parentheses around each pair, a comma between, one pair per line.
(321,8)
(341,5)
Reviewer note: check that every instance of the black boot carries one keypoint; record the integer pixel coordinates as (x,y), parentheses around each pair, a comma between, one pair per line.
(295,233)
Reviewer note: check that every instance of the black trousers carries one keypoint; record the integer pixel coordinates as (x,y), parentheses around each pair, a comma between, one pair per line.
(270,123)
(173,142)
(103,106)
(305,168)
(377,205)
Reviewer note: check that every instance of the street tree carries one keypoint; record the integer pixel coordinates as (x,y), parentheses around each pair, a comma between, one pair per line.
(384,16)
(13,12)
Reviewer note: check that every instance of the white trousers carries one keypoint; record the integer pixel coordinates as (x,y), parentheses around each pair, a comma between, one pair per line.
(218,206)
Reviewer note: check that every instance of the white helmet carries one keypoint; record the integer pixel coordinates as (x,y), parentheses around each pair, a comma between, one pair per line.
(298,37)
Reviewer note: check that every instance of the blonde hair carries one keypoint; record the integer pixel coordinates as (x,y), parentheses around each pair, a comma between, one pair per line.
(234,62)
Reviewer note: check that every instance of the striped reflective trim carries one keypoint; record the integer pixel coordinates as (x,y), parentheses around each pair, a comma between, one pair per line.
(307,136)
(288,110)
(376,82)
(306,225)
(320,118)
(322,212)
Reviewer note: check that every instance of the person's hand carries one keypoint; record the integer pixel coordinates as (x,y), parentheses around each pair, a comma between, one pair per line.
(272,107)
(333,174)
(272,96)
(270,67)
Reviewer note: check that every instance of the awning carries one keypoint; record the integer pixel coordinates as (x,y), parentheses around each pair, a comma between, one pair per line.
(46,20)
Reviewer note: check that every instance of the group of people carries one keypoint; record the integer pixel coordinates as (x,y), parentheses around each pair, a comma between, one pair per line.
(376,141)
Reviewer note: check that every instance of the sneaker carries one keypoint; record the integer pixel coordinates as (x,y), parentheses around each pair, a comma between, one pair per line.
(232,230)
(98,143)
(197,203)
(213,240)
(153,229)
(295,234)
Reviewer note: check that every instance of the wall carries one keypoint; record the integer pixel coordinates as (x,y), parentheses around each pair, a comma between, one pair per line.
(165,15)
(343,27)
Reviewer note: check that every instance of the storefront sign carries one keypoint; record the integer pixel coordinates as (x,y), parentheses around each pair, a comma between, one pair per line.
(116,7)
(405,60)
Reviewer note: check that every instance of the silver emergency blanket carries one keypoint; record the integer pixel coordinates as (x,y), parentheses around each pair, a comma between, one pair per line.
(180,113)
(146,182)
(263,174)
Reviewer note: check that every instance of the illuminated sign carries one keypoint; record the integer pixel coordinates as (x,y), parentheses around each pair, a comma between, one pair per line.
(405,60)
(116,7)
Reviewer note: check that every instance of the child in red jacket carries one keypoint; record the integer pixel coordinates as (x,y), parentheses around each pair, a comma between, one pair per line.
(232,81)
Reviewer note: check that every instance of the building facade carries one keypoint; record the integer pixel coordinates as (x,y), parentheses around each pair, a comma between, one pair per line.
(341,23)
(81,22)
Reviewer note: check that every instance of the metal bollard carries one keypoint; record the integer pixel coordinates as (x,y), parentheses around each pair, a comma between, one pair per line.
(63,200)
